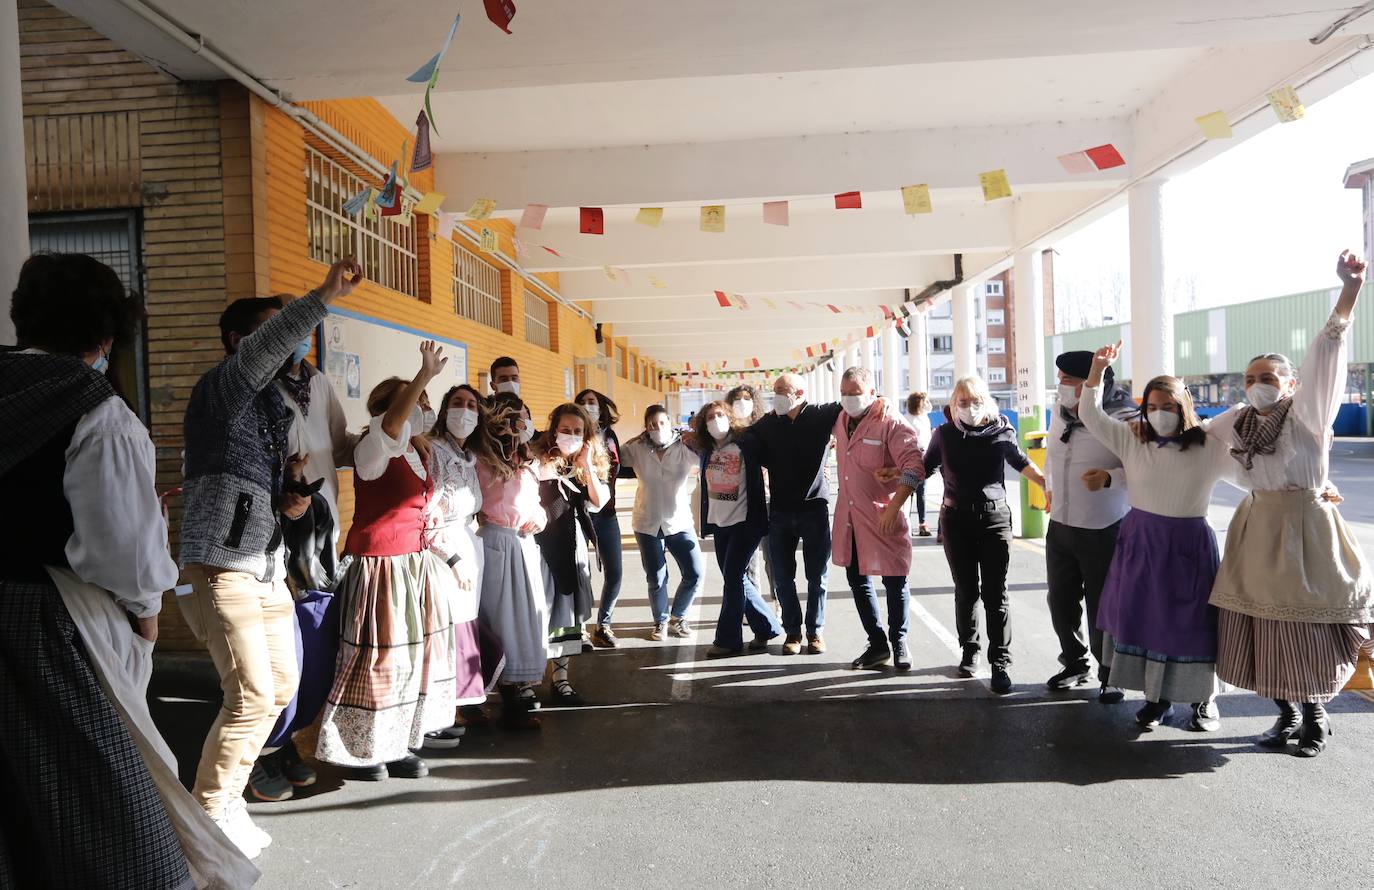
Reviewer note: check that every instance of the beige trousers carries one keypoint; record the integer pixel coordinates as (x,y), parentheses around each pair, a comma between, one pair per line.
(249,628)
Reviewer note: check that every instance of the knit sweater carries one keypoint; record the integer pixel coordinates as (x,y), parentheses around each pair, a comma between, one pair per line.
(236,442)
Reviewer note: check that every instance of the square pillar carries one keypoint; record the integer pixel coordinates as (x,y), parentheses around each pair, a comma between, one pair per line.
(917,355)
(1152,324)
(892,389)
(965,344)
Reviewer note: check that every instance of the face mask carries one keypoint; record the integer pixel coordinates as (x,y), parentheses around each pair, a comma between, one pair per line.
(302,350)
(855,405)
(660,436)
(782,403)
(101,364)
(510,386)
(743,409)
(593,410)
(417,421)
(568,443)
(1262,396)
(1068,395)
(966,416)
(461,422)
(1165,423)
(525,432)
(718,426)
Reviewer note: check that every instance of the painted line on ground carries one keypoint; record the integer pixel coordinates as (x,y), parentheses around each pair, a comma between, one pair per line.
(941,633)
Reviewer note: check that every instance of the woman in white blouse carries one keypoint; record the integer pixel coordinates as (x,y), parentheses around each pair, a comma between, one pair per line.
(396,674)
(1295,596)
(1159,632)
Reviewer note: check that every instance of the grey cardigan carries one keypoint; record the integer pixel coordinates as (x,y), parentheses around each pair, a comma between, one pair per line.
(236,440)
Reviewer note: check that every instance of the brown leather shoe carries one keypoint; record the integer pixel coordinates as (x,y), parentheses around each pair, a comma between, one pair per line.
(815,645)
(792,645)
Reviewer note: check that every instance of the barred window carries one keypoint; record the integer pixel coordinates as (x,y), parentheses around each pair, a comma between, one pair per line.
(537,320)
(476,288)
(385,246)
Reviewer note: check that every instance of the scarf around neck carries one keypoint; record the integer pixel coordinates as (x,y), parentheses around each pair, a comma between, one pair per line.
(1257,433)
(298,387)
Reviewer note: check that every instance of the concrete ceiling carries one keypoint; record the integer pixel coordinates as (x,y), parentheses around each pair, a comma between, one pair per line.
(629,103)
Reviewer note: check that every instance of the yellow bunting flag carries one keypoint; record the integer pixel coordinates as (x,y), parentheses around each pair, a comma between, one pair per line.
(1286,104)
(481,208)
(713,218)
(430,203)
(657,283)
(916,199)
(1215,125)
(995,185)
(649,216)
(610,273)
(488,244)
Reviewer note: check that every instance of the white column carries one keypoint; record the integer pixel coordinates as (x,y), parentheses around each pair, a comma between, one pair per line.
(918,358)
(866,354)
(837,366)
(1152,324)
(965,346)
(892,382)
(14,202)
(1028,287)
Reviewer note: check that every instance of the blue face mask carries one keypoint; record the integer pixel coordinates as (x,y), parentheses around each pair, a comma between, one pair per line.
(302,350)
(102,364)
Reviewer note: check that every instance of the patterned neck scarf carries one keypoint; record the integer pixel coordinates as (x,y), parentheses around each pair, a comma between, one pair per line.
(1071,423)
(299,388)
(1258,433)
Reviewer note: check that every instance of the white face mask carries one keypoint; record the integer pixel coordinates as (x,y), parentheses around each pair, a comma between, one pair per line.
(460,422)
(417,421)
(510,386)
(743,409)
(855,405)
(593,410)
(568,443)
(966,416)
(1263,396)
(660,436)
(1068,395)
(782,403)
(718,426)
(1165,423)
(525,432)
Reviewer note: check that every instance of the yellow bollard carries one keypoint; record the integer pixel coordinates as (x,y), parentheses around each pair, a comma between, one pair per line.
(1035,450)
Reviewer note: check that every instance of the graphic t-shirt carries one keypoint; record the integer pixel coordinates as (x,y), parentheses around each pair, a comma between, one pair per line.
(727,498)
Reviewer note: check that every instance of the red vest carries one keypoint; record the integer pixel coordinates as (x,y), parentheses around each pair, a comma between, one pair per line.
(388,512)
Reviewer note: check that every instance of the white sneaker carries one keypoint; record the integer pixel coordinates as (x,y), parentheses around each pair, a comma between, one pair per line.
(238,815)
(247,844)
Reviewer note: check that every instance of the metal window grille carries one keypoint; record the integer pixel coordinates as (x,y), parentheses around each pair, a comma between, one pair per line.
(385,246)
(477,289)
(537,320)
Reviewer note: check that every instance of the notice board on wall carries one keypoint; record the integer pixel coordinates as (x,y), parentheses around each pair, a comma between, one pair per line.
(359,351)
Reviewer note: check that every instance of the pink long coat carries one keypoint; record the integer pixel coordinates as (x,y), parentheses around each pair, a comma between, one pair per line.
(882,439)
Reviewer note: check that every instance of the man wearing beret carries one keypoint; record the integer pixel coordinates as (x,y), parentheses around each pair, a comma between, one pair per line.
(1086,490)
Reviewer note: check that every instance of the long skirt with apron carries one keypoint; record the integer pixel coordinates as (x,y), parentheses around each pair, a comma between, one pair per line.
(512,604)
(1159,632)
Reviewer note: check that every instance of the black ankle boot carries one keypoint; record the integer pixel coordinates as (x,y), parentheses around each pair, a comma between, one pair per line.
(1285,728)
(1316,729)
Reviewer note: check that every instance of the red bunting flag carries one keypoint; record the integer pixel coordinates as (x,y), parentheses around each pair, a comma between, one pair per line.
(722,299)
(848,201)
(500,12)
(809,353)
(887,310)
(756,364)
(870,331)
(592,221)
(552,251)
(1105,157)
(833,308)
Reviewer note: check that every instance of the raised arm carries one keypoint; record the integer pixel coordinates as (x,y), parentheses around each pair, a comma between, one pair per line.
(1321,382)
(1116,435)
(395,420)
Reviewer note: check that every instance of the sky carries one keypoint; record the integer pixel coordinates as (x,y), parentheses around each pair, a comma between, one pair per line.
(1264,219)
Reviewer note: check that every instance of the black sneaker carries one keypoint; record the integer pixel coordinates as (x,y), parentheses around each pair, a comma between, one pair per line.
(449,737)
(1206,717)
(1001,681)
(408,767)
(1068,678)
(297,771)
(1110,695)
(969,666)
(604,638)
(901,656)
(266,781)
(1154,713)
(375,773)
(873,657)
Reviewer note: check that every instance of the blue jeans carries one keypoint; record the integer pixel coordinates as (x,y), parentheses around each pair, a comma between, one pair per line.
(612,561)
(810,526)
(740,599)
(866,602)
(687,554)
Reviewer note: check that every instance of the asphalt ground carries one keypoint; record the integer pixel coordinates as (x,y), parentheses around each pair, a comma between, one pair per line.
(773,771)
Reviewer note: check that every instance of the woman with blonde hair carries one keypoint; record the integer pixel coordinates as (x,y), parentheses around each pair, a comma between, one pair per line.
(573,468)
(1159,634)
(971,450)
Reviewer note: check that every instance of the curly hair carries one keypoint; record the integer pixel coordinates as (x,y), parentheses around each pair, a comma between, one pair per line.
(918,403)
(702,441)
(548,451)
(742,391)
(507,453)
(70,303)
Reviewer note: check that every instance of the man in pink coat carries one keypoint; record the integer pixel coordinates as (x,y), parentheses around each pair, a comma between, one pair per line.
(870,533)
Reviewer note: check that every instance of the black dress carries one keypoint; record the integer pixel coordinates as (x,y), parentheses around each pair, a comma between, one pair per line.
(565,545)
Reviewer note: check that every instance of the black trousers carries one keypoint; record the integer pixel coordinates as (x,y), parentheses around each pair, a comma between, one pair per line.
(1076,562)
(978,548)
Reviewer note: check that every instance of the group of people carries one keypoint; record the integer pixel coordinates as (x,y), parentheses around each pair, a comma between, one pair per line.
(468,564)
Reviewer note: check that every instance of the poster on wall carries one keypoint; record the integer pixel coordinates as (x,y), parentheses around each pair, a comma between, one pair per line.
(361,351)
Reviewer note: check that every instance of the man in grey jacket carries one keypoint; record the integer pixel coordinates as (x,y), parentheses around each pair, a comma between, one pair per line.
(231,539)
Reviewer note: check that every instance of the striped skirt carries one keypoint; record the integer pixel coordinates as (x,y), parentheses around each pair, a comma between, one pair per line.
(396,673)
(1290,660)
